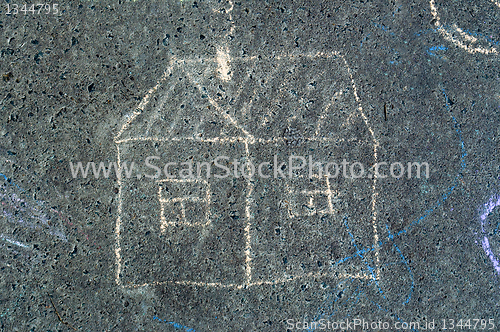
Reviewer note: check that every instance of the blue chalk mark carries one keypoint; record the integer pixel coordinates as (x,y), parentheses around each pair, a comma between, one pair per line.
(363,40)
(351,298)
(175,325)
(431,51)
(384,28)
(354,298)
(9,181)
(336,298)
(403,259)
(423,32)
(455,182)
(396,56)
(459,133)
(396,316)
(448,28)
(477,34)
(496,229)
(392,236)
(320,313)
(2,175)
(358,252)
(397,10)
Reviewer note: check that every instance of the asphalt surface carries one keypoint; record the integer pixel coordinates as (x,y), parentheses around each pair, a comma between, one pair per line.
(189,81)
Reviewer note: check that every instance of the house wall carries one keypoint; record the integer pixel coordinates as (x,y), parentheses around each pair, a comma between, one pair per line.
(210,252)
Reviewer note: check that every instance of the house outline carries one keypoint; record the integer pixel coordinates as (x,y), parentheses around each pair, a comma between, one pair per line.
(247,139)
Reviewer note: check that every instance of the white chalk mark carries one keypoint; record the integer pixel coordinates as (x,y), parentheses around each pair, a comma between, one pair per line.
(376,144)
(333,139)
(249,219)
(222,59)
(160,106)
(31,214)
(329,193)
(6,264)
(295,210)
(118,225)
(312,275)
(325,112)
(226,116)
(229,11)
(144,102)
(181,199)
(168,202)
(458,37)
(17,243)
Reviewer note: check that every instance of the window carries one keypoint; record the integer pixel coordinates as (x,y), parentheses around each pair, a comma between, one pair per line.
(184,202)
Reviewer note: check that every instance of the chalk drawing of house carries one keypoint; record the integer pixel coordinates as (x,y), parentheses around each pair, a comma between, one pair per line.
(237,231)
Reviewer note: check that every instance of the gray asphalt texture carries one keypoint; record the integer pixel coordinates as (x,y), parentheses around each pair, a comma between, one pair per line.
(389,81)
